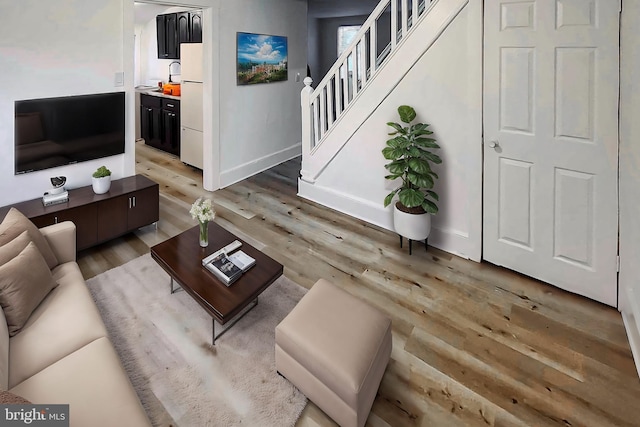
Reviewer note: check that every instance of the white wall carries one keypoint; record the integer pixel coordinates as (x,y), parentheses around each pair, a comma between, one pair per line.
(59,48)
(259,124)
(151,67)
(448,97)
(629,280)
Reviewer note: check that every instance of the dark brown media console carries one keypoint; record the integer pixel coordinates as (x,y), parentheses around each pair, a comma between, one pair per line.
(130,203)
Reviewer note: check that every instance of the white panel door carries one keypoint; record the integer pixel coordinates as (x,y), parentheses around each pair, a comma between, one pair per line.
(551,141)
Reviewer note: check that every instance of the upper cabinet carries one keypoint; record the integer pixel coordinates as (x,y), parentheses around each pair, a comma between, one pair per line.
(176,28)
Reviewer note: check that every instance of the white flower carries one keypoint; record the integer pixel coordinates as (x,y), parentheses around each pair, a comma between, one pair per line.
(202,210)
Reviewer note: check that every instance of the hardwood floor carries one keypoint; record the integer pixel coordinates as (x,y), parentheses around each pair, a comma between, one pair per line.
(473,344)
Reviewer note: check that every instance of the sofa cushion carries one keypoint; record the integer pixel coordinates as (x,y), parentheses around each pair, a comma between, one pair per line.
(68,317)
(4,352)
(93,383)
(24,282)
(12,249)
(15,223)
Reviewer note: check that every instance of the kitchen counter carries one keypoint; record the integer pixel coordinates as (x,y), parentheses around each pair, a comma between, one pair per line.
(153,92)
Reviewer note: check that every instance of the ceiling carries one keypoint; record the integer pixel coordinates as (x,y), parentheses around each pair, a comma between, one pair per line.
(145,12)
(337,8)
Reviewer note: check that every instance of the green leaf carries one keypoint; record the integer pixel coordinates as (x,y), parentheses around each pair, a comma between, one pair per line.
(429,206)
(394,142)
(411,198)
(433,157)
(419,165)
(426,142)
(433,194)
(433,174)
(397,167)
(407,114)
(396,126)
(393,176)
(393,153)
(420,180)
(414,151)
(389,198)
(399,142)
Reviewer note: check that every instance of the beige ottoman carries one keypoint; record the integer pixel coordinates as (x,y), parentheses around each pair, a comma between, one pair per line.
(335,348)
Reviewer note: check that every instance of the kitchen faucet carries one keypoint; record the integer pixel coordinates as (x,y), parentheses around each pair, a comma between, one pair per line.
(174,62)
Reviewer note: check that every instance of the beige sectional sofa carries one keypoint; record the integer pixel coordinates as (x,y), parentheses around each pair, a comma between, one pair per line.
(62,354)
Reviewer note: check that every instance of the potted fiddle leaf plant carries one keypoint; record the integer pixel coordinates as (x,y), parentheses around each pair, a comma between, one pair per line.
(101,180)
(411,158)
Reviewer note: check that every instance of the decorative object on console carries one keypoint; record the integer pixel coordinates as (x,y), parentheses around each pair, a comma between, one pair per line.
(57,194)
(261,59)
(202,210)
(101,180)
(411,158)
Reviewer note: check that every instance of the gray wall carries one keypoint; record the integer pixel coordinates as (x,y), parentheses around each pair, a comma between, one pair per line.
(323,40)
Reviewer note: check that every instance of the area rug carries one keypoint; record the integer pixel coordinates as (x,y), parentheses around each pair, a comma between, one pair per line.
(164,342)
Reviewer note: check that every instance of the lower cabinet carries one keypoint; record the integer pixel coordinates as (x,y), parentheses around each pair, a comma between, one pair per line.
(160,122)
(84,217)
(130,203)
(143,208)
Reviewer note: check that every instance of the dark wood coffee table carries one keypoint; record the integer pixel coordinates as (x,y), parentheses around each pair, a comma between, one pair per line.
(181,257)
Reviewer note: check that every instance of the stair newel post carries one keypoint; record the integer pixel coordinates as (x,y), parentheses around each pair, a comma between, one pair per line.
(307,125)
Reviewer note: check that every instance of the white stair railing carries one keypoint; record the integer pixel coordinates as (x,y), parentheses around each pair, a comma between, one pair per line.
(323,107)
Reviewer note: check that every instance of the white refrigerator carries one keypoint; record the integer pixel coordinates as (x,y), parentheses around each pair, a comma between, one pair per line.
(191,104)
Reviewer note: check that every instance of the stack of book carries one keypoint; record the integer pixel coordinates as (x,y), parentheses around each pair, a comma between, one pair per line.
(228,267)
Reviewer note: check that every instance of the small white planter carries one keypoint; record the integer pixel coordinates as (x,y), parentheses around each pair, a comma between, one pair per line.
(101,185)
(411,226)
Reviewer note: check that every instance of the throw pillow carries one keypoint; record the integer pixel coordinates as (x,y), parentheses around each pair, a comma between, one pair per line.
(8,398)
(15,223)
(24,282)
(12,249)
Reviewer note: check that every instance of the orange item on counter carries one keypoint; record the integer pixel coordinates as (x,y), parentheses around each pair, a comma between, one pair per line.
(171,89)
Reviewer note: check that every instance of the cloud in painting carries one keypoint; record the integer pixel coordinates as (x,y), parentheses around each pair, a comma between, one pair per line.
(261,48)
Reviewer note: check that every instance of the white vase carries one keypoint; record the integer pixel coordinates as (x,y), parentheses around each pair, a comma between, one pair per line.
(411,226)
(101,185)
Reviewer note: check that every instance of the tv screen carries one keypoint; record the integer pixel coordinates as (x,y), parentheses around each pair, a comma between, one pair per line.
(55,132)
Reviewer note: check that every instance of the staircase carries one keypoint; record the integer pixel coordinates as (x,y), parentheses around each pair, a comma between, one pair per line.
(366,73)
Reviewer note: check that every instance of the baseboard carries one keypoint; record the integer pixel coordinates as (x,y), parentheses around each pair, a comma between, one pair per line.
(449,240)
(244,171)
(631,319)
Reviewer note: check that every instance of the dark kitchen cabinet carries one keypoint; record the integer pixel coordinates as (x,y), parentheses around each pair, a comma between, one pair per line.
(171,122)
(160,123)
(176,28)
(196,26)
(167,35)
(151,120)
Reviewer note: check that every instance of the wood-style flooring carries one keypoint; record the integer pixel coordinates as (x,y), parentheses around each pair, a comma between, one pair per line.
(473,344)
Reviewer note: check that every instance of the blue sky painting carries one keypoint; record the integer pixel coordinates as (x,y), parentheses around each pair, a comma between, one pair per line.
(261,58)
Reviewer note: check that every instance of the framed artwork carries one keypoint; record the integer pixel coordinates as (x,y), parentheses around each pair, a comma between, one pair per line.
(261,58)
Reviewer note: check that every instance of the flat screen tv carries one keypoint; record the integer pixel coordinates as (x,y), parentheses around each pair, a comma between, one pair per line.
(55,132)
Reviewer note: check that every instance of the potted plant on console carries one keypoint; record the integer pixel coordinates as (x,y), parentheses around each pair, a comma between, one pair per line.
(411,159)
(101,180)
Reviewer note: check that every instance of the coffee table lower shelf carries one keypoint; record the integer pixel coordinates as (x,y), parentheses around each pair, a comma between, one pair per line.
(238,317)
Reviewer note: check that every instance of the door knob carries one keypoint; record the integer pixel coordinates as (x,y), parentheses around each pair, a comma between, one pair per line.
(493,144)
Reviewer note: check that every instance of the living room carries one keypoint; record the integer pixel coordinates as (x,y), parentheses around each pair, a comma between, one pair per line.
(422,385)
